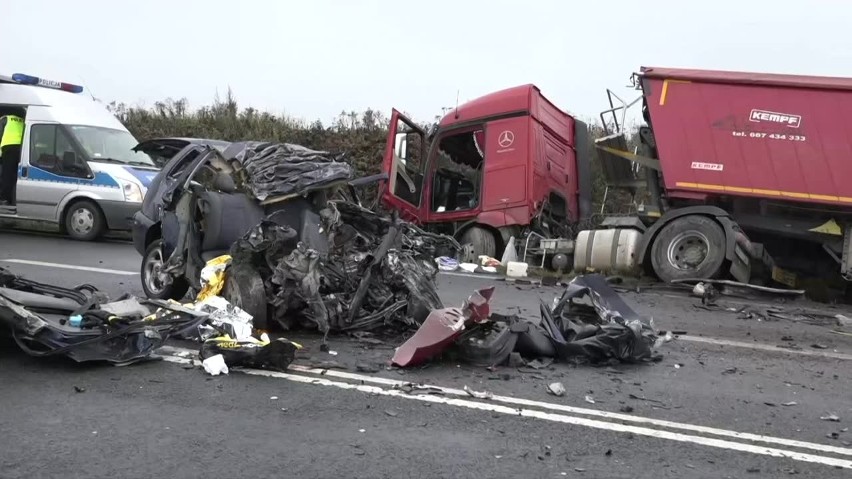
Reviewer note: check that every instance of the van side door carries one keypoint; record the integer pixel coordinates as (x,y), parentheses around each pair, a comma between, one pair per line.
(52,167)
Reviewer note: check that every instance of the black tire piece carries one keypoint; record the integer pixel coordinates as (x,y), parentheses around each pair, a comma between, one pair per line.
(244,289)
(712,265)
(98,221)
(482,242)
(175,290)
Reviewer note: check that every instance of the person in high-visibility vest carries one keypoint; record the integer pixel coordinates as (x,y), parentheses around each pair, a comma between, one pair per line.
(11,138)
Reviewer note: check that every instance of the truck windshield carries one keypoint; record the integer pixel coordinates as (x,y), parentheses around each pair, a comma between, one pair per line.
(107,144)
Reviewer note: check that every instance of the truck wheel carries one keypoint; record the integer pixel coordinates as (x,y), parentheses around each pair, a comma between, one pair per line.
(689,247)
(84,221)
(480,241)
(155,283)
(244,289)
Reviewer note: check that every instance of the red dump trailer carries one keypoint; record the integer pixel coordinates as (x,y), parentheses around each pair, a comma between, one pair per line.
(746,174)
(764,158)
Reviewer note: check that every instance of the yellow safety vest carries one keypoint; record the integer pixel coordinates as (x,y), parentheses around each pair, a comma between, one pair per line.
(13,133)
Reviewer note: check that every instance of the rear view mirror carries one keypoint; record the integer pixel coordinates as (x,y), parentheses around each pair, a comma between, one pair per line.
(69,158)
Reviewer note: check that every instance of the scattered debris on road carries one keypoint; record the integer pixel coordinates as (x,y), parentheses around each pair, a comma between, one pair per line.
(831,417)
(79,323)
(557,389)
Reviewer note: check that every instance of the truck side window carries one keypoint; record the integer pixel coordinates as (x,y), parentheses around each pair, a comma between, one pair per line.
(458,172)
(51,150)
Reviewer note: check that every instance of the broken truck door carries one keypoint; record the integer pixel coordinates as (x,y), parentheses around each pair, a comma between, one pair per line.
(454,187)
(404,162)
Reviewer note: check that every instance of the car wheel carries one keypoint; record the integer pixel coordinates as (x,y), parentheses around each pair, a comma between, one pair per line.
(477,241)
(84,221)
(244,289)
(155,283)
(689,247)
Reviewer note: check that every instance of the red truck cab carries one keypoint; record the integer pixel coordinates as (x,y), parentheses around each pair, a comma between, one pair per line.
(495,167)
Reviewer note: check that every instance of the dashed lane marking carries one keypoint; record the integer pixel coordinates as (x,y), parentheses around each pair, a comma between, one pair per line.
(493,406)
(765,347)
(70,266)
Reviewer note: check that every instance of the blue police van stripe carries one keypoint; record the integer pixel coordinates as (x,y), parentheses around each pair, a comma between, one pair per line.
(101,179)
(144,176)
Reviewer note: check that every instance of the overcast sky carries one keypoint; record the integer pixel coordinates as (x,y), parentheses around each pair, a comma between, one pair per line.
(312,59)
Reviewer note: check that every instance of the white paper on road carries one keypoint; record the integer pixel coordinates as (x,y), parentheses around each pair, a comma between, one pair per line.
(215,365)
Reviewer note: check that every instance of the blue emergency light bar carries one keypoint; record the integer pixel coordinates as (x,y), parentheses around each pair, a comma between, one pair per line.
(43,82)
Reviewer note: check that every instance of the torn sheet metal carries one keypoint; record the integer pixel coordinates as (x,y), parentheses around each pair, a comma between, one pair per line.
(272,170)
(47,320)
(441,329)
(375,272)
(606,329)
(437,333)
(225,318)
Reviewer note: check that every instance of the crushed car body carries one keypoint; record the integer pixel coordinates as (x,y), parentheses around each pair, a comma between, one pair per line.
(301,255)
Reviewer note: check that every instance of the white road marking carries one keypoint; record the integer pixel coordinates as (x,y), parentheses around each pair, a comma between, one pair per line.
(560,418)
(70,266)
(765,347)
(569,409)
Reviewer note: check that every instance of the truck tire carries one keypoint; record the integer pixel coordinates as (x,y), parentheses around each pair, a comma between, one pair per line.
(477,241)
(244,289)
(155,285)
(84,221)
(689,247)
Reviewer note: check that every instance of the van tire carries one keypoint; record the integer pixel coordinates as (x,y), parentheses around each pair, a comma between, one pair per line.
(151,263)
(477,241)
(84,221)
(690,247)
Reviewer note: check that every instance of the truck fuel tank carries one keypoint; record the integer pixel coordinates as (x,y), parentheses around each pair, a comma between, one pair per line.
(612,250)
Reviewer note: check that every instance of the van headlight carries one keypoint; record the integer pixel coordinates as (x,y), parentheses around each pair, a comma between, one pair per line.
(132,191)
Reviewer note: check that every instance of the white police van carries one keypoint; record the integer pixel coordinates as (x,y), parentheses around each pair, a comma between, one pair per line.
(78,168)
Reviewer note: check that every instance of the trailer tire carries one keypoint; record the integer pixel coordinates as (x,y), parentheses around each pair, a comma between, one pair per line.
(691,246)
(477,241)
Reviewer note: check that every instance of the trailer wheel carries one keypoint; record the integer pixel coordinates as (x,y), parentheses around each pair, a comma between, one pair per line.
(477,241)
(689,247)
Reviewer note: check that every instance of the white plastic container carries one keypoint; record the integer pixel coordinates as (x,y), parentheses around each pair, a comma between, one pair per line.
(516,269)
(607,251)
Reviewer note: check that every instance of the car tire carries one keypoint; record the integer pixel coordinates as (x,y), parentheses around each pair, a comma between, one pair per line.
(477,241)
(690,247)
(244,289)
(84,221)
(157,286)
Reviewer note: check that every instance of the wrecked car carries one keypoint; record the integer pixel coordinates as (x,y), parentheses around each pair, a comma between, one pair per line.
(301,255)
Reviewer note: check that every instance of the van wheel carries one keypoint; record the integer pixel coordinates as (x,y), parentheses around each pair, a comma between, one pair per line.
(477,241)
(84,221)
(155,283)
(689,247)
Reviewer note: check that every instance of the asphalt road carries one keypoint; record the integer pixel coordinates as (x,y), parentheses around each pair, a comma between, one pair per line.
(731,398)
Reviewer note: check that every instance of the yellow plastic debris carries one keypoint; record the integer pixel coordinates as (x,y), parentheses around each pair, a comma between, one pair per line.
(830,227)
(213,277)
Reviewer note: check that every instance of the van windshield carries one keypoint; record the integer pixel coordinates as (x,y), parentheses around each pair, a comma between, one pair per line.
(107,144)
